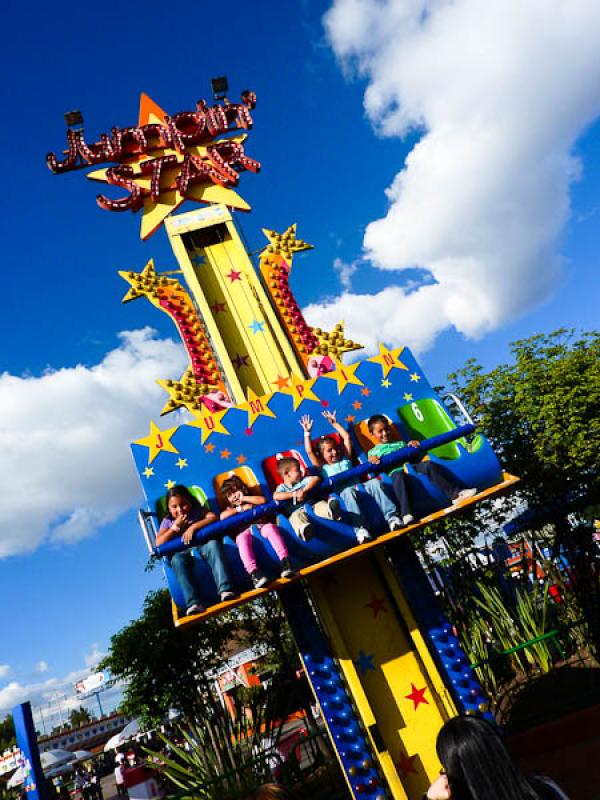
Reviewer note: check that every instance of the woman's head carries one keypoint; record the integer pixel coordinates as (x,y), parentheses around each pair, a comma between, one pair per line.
(179,501)
(477,763)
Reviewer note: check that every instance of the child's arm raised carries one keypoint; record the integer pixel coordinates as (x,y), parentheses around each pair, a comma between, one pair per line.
(339,428)
(306,424)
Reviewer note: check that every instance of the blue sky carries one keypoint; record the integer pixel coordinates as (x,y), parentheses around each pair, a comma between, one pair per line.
(75,575)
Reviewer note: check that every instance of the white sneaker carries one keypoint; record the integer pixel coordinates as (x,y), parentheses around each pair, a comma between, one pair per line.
(305,533)
(466,494)
(394,523)
(227,595)
(407,519)
(195,608)
(362,535)
(334,507)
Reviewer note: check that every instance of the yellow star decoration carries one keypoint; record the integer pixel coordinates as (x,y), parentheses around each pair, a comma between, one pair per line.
(182,463)
(407,397)
(257,406)
(332,343)
(415,377)
(344,374)
(146,282)
(386,383)
(158,441)
(169,484)
(286,243)
(148,472)
(209,423)
(301,391)
(155,211)
(185,392)
(388,359)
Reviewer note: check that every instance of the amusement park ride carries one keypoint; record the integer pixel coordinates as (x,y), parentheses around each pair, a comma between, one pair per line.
(384,664)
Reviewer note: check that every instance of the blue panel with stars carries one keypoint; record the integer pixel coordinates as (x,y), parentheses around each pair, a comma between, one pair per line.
(245,436)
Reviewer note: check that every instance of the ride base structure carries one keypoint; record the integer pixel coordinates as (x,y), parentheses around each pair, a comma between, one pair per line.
(383,662)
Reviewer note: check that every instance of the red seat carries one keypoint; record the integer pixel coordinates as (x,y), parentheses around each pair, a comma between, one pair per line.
(270,466)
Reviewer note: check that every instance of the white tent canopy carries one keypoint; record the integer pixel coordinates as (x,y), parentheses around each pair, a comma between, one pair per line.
(129,731)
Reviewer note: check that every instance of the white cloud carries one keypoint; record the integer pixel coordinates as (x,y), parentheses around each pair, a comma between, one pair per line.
(501,91)
(345,272)
(94,656)
(64,440)
(4,670)
(42,666)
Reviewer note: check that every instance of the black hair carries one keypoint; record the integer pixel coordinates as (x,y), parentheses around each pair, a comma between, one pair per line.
(477,763)
(180,491)
(233,484)
(377,418)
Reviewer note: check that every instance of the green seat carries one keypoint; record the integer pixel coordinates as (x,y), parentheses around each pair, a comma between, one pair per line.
(424,419)
(195,491)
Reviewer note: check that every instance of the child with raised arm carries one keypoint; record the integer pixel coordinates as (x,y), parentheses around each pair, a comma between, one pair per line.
(185,516)
(333,460)
(295,492)
(239,498)
(381,430)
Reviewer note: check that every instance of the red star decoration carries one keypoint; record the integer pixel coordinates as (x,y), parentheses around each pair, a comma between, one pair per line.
(417,696)
(234,276)
(218,308)
(281,382)
(248,431)
(405,764)
(241,458)
(357,405)
(325,403)
(366,391)
(377,604)
(210,448)
(225,454)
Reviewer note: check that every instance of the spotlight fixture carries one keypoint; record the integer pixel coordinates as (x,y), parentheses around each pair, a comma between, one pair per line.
(74,119)
(219,87)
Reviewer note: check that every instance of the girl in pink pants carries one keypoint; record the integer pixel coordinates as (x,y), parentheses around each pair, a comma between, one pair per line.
(239,498)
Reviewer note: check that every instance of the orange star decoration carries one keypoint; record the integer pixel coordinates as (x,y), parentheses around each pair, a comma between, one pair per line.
(417,696)
(158,441)
(281,383)
(241,459)
(156,209)
(256,407)
(225,453)
(301,391)
(210,447)
(286,243)
(388,359)
(209,423)
(344,374)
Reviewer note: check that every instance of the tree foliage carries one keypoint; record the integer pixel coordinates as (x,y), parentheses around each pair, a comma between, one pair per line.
(541,414)
(7,733)
(79,716)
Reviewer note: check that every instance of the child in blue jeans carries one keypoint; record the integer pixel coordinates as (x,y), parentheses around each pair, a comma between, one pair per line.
(333,460)
(184,516)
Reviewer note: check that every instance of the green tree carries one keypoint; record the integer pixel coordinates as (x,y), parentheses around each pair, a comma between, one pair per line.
(166,667)
(7,733)
(542,416)
(79,716)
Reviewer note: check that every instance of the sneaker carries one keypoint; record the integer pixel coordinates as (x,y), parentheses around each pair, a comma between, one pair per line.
(466,494)
(286,569)
(407,519)
(335,508)
(362,535)
(227,595)
(305,533)
(195,608)
(394,523)
(258,579)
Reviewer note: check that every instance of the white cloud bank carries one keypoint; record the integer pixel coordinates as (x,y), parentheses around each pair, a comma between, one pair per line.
(501,91)
(64,441)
